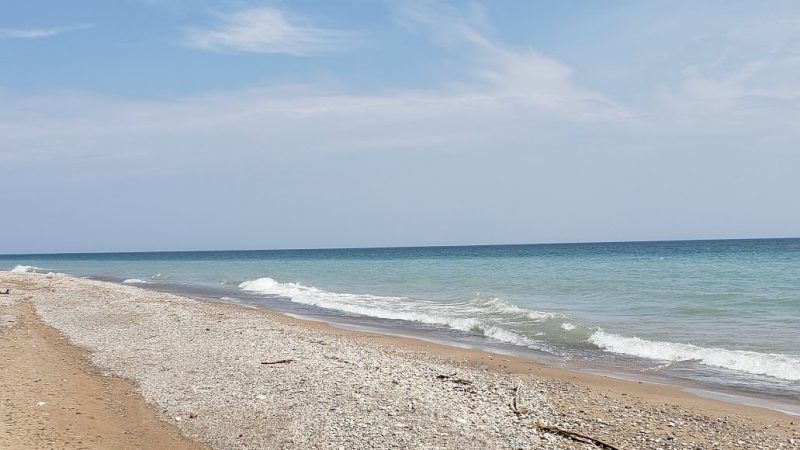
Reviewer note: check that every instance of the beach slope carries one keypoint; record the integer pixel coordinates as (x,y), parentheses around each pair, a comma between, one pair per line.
(52,397)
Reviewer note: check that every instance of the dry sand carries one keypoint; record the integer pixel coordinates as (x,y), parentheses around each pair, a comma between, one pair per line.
(200,366)
(53,398)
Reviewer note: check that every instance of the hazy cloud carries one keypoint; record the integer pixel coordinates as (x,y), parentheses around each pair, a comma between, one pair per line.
(526,75)
(38,33)
(753,84)
(265,30)
(513,97)
(509,93)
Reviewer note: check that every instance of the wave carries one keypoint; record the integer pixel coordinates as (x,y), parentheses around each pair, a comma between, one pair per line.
(499,320)
(25,269)
(771,364)
(480,314)
(134,281)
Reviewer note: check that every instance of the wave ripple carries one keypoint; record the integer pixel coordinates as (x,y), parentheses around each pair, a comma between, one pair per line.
(480,314)
(775,365)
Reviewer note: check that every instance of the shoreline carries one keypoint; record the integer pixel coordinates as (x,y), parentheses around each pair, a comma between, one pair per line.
(521,365)
(552,364)
(516,364)
(667,416)
(702,348)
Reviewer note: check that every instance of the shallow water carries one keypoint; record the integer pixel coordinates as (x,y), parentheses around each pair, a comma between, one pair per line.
(724,313)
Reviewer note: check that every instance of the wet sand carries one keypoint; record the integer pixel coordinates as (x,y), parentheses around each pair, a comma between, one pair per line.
(346,388)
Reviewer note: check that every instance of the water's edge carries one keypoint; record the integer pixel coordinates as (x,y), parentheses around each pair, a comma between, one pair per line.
(630,373)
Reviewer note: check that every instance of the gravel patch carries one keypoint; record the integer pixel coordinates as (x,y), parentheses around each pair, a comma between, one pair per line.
(7,321)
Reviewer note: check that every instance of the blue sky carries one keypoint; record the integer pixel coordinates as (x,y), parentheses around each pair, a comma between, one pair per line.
(177,124)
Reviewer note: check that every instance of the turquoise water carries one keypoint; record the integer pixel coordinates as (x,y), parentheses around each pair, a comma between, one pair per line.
(723,312)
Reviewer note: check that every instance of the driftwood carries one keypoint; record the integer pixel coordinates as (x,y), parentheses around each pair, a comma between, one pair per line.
(577,437)
(280,361)
(516,405)
(452,378)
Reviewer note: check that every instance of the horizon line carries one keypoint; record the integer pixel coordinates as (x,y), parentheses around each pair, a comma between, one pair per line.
(289,249)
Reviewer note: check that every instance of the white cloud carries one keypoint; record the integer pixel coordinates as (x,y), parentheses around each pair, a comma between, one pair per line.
(512,97)
(265,30)
(525,75)
(730,89)
(753,83)
(38,33)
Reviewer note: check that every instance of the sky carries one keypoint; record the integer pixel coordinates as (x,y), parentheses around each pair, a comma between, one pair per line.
(140,125)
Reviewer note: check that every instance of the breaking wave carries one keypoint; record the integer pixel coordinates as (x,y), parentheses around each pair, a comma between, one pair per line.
(497,319)
(771,364)
(481,314)
(26,269)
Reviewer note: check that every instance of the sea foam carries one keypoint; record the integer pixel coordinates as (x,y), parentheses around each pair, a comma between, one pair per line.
(771,364)
(490,315)
(134,281)
(473,315)
(25,269)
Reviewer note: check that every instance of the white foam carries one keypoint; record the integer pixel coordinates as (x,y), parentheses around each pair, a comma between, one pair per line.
(566,326)
(397,308)
(25,269)
(510,337)
(263,285)
(499,306)
(776,365)
(134,281)
(470,316)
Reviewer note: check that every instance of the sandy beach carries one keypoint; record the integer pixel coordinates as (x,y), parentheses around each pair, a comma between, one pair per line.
(93,364)
(54,398)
